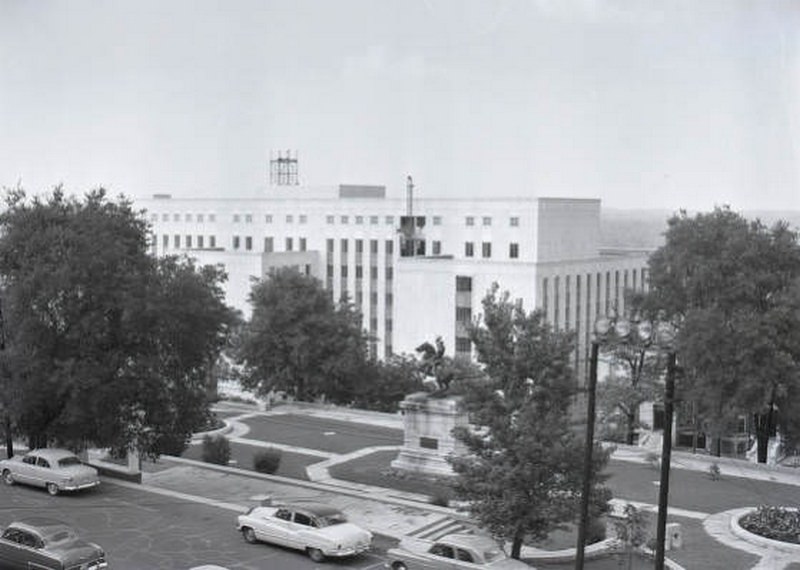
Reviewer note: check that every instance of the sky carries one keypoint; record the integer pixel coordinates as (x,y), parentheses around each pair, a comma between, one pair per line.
(641,103)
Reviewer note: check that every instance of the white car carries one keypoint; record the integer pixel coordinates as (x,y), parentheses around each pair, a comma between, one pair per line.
(54,469)
(320,530)
(452,551)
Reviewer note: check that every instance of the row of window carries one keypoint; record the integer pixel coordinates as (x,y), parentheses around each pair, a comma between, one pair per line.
(189,242)
(486,249)
(344,219)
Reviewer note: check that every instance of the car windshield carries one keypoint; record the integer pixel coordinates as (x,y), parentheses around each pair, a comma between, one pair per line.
(67,461)
(331,519)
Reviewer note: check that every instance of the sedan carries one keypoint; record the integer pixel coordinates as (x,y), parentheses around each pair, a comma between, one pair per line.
(54,469)
(452,551)
(48,544)
(319,530)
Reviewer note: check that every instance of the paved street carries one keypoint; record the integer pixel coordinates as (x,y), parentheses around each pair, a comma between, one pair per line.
(145,531)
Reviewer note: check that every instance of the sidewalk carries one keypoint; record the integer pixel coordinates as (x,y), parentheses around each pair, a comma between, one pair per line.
(398,514)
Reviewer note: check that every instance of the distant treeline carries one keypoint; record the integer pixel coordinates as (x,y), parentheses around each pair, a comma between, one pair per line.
(645,228)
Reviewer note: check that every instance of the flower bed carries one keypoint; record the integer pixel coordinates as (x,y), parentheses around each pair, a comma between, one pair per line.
(775,523)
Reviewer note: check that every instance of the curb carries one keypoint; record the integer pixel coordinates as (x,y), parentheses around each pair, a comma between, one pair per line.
(766,543)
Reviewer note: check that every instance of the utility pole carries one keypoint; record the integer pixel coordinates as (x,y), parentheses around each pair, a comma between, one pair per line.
(591,388)
(666,455)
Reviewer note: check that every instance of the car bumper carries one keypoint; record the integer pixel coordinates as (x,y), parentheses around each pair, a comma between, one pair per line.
(79,486)
(350,551)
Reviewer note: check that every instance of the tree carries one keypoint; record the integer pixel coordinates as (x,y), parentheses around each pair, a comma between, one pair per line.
(384,384)
(522,475)
(98,346)
(732,285)
(299,341)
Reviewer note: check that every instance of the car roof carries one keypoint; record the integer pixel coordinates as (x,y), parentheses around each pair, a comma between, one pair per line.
(52,453)
(463,540)
(40,525)
(314,508)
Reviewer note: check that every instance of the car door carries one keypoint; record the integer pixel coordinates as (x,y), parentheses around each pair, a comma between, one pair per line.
(442,556)
(24,472)
(274,528)
(41,472)
(301,531)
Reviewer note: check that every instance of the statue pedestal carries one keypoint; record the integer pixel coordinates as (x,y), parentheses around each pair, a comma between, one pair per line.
(428,424)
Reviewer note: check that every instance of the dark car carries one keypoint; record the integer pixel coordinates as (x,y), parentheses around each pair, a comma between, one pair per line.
(47,544)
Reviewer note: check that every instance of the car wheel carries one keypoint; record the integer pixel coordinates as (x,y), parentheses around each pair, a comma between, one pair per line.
(249,535)
(315,554)
(52,488)
(8,478)
(399,566)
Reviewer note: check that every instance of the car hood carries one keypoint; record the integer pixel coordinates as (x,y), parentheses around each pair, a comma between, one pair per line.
(345,531)
(76,551)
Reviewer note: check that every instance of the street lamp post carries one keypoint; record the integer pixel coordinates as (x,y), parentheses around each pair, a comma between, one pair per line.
(666,455)
(591,388)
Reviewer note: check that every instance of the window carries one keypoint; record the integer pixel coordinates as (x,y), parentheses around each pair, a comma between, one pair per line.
(200,218)
(487,221)
(329,246)
(176,217)
(463,314)
(373,272)
(236,242)
(165,241)
(302,244)
(248,218)
(302,218)
(389,273)
(29,459)
(389,247)
(470,221)
(343,245)
(42,462)
(237,218)
(463,555)
(303,519)
(329,220)
(153,217)
(269,245)
(469,249)
(389,299)
(212,217)
(248,243)
(463,284)
(268,219)
(359,246)
(188,242)
(359,220)
(513,221)
(437,220)
(373,246)
(344,271)
(513,250)
(289,218)
(212,241)
(176,241)
(200,243)
(389,220)
(359,271)
(284,514)
(345,219)
(436,247)
(373,220)
(188,217)
(289,244)
(164,217)
(463,345)
(486,249)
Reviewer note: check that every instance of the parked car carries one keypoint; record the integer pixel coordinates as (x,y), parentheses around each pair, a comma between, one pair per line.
(48,544)
(318,529)
(452,551)
(54,469)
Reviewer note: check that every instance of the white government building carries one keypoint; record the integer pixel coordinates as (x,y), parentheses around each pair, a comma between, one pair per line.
(416,267)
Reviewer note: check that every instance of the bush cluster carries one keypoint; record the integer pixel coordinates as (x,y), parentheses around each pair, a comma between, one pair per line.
(777,523)
(267,461)
(216,450)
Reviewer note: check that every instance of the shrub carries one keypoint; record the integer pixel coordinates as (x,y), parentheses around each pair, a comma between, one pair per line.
(440,499)
(216,450)
(776,523)
(267,460)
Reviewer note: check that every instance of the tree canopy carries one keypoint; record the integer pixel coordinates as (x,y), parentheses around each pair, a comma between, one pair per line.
(522,475)
(732,287)
(104,345)
(299,341)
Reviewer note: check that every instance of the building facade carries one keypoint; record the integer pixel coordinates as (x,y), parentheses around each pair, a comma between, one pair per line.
(416,268)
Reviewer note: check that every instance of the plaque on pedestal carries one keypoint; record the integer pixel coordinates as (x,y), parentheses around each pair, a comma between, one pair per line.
(428,423)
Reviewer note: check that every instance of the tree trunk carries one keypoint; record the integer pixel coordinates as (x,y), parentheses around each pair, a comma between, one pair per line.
(9,439)
(516,545)
(763,424)
(631,419)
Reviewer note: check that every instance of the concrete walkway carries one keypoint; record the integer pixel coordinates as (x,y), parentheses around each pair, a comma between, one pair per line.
(399,514)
